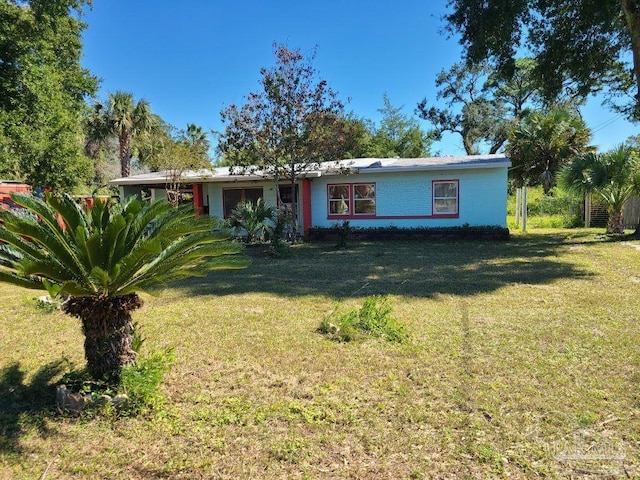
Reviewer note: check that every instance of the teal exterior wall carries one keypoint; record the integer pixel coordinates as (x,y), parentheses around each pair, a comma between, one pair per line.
(482,198)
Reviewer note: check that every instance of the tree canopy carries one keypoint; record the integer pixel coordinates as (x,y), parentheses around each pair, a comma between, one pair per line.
(289,125)
(42,92)
(398,135)
(175,152)
(544,141)
(124,118)
(481,104)
(580,46)
(614,176)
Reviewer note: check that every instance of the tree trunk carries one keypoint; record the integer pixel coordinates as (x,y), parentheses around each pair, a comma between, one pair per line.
(124,141)
(631,12)
(469,147)
(615,224)
(108,331)
(632,19)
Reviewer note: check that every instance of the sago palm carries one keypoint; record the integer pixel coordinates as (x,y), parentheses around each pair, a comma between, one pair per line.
(614,176)
(101,257)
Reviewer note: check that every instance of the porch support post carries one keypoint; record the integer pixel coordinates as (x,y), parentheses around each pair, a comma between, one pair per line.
(306,206)
(197,199)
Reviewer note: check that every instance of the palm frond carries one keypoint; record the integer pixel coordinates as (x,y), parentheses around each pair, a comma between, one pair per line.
(20,244)
(187,253)
(69,212)
(111,249)
(20,280)
(47,230)
(613,175)
(50,243)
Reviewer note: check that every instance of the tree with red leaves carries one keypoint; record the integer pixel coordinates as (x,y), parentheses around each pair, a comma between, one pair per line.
(290,125)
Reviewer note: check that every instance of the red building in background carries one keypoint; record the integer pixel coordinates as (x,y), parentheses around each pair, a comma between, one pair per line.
(7,187)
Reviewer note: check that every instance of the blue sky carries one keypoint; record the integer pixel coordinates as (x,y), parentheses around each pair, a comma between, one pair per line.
(192,58)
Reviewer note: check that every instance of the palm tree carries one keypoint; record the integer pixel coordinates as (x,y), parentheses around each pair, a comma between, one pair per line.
(256,220)
(614,176)
(124,118)
(197,139)
(101,257)
(542,142)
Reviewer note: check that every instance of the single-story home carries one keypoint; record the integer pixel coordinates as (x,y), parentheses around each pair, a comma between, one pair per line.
(369,192)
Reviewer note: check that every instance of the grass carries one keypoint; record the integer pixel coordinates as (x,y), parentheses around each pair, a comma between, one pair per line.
(523,356)
(559,209)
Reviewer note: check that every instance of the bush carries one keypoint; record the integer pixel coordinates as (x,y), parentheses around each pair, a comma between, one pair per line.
(373,319)
(342,233)
(278,247)
(256,221)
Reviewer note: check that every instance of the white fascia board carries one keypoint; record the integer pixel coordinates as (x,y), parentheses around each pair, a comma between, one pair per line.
(213,179)
(419,168)
(232,178)
(138,181)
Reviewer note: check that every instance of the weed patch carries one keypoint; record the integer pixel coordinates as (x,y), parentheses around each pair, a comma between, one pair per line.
(372,319)
(138,391)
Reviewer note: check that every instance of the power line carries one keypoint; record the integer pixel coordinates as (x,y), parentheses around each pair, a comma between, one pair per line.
(606,123)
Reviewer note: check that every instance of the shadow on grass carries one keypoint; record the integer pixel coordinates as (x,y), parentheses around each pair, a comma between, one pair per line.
(412,268)
(26,406)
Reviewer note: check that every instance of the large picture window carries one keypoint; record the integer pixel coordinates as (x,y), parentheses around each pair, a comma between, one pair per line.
(352,199)
(231,197)
(445,197)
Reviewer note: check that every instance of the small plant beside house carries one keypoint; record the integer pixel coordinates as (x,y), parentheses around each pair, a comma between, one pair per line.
(372,319)
(344,230)
(102,257)
(255,222)
(279,247)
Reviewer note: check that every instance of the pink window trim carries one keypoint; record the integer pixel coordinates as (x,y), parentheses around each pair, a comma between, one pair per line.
(433,200)
(351,215)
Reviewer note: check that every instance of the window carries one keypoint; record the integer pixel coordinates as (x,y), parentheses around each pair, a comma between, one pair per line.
(286,199)
(364,199)
(285,194)
(445,197)
(352,199)
(231,197)
(339,200)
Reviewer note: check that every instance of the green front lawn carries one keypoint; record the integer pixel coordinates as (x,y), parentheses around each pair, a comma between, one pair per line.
(524,361)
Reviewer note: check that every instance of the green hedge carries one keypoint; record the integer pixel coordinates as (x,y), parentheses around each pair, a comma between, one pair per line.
(392,233)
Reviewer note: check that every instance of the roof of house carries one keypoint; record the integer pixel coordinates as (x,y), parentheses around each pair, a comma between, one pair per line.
(356,165)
